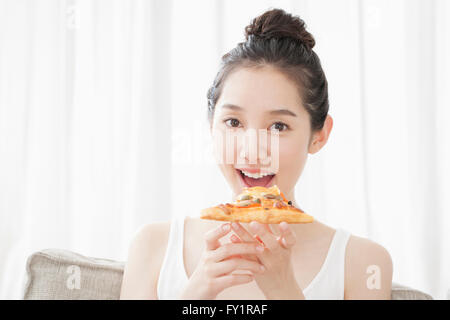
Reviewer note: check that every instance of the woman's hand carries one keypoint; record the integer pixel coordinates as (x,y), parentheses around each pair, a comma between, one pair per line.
(214,270)
(278,281)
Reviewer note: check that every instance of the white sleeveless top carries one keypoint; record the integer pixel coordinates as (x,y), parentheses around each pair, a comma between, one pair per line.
(328,284)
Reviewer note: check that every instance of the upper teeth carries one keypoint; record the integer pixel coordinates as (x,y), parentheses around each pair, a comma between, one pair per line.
(255,175)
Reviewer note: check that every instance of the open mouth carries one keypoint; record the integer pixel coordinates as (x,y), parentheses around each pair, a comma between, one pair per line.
(255,179)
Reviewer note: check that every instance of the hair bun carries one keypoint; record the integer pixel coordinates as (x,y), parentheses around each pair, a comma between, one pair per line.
(276,23)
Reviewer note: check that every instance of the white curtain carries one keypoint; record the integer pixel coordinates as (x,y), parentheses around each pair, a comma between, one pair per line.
(103,124)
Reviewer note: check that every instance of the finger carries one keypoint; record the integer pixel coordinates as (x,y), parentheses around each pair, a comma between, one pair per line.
(287,236)
(228,266)
(232,280)
(242,232)
(212,237)
(235,239)
(282,242)
(267,237)
(274,228)
(231,249)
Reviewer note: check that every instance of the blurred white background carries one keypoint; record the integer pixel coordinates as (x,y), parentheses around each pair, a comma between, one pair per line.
(103,124)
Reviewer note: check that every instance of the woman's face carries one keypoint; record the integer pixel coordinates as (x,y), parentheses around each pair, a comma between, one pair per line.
(258,100)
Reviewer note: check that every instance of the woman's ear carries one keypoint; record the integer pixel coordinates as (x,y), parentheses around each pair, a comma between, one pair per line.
(320,138)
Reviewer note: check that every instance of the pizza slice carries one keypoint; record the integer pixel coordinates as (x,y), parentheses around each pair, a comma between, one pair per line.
(261,204)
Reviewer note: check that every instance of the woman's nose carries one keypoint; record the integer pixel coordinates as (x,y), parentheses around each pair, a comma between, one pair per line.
(254,147)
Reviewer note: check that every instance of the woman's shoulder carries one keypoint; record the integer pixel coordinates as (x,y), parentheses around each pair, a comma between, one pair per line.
(362,250)
(368,266)
(145,256)
(152,235)
(156,234)
(368,271)
(153,228)
(149,243)
(356,246)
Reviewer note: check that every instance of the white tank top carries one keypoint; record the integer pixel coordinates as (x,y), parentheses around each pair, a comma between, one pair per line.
(328,284)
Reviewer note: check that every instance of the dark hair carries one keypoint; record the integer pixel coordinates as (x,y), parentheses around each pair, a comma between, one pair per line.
(279,39)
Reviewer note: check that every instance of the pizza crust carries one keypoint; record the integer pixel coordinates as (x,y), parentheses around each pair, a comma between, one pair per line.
(262,215)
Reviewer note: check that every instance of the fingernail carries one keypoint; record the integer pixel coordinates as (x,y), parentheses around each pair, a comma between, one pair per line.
(259,248)
(235,226)
(226,227)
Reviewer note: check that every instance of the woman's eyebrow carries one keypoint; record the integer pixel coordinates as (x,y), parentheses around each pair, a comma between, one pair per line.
(283,112)
(273,112)
(232,107)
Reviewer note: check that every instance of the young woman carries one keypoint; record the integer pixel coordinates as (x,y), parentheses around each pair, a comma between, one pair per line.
(273,81)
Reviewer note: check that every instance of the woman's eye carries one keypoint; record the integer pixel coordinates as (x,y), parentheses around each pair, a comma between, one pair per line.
(279,126)
(232,123)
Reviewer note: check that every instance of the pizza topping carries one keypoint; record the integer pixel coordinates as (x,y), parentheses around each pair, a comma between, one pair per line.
(247,204)
(224,209)
(279,204)
(244,197)
(244,203)
(259,197)
(271,196)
